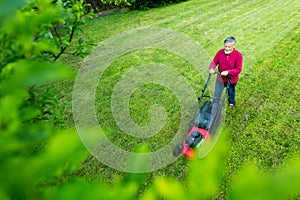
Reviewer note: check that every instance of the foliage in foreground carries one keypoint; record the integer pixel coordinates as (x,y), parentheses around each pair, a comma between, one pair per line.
(40,30)
(36,159)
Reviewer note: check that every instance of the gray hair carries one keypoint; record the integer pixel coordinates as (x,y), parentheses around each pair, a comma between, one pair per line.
(230,39)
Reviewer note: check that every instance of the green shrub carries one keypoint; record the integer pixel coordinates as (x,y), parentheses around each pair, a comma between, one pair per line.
(147,4)
(103,5)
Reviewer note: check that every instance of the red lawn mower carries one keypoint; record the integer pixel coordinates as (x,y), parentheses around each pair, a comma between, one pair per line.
(204,124)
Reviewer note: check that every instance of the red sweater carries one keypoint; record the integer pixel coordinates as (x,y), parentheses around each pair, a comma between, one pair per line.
(232,62)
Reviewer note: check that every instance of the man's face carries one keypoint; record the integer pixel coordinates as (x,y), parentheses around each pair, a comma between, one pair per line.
(228,48)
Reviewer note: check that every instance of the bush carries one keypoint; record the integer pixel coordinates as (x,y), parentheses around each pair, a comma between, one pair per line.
(147,4)
(102,5)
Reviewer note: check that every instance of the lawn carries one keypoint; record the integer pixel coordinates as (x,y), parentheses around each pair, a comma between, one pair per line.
(264,126)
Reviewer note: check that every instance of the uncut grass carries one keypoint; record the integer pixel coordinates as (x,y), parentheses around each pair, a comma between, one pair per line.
(265,125)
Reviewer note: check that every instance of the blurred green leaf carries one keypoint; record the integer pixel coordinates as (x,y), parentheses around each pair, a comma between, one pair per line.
(205,174)
(170,188)
(8,8)
(29,73)
(250,183)
(137,163)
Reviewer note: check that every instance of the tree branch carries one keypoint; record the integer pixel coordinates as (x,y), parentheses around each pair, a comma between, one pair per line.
(62,50)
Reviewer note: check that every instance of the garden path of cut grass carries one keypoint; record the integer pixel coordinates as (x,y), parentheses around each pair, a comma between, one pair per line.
(265,123)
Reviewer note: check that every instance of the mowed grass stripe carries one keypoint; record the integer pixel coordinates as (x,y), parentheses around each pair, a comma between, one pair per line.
(272,26)
(212,31)
(250,30)
(212,16)
(171,16)
(196,15)
(177,12)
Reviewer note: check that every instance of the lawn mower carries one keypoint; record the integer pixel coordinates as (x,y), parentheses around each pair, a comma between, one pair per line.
(204,123)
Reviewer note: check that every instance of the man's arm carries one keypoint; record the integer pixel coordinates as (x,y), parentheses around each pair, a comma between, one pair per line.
(238,66)
(214,64)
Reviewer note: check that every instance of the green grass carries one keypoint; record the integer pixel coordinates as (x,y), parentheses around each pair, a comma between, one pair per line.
(264,126)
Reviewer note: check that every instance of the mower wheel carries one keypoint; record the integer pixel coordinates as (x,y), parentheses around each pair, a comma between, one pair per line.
(177,150)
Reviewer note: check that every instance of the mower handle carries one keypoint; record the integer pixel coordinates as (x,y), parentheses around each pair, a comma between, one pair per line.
(205,86)
(219,73)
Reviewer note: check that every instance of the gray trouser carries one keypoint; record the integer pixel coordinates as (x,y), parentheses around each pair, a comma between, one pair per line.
(216,105)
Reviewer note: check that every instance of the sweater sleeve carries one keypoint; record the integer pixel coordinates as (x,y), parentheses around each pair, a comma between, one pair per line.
(238,65)
(215,61)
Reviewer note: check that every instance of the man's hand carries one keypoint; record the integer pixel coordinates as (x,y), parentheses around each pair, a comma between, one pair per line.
(211,71)
(224,73)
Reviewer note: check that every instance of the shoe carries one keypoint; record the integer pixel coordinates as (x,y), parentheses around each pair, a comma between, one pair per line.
(231,105)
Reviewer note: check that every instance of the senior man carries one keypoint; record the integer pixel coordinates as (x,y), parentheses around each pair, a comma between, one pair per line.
(229,62)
